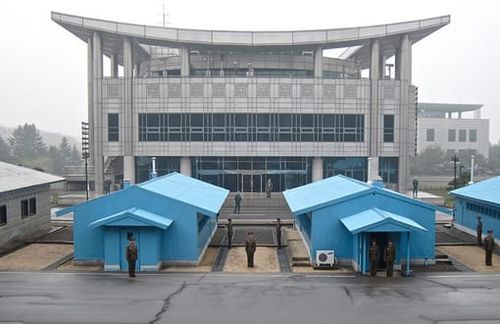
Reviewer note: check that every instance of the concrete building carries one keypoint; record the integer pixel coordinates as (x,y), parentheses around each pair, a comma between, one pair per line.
(24,203)
(172,218)
(443,125)
(478,199)
(235,108)
(343,215)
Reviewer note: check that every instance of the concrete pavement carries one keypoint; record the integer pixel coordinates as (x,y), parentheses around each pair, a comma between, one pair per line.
(271,298)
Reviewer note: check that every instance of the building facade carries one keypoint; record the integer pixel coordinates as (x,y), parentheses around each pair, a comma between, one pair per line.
(172,219)
(442,125)
(478,199)
(235,108)
(24,203)
(344,215)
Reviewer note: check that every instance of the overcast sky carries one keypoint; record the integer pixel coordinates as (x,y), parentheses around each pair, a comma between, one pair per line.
(43,74)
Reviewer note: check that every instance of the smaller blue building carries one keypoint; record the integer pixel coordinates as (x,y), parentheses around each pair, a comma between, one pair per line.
(478,199)
(344,215)
(172,218)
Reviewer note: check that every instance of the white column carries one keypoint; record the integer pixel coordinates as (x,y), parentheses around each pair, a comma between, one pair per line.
(128,127)
(405,59)
(98,114)
(374,60)
(113,65)
(317,169)
(318,62)
(374,104)
(471,169)
(373,169)
(186,166)
(185,61)
(90,95)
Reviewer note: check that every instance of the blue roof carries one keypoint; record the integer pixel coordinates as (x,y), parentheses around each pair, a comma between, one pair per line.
(378,220)
(486,190)
(188,190)
(331,190)
(134,217)
(321,193)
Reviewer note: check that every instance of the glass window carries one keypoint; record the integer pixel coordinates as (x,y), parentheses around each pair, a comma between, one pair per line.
(462,135)
(113,128)
(388,128)
(430,134)
(24,208)
(472,135)
(452,135)
(3,215)
(32,206)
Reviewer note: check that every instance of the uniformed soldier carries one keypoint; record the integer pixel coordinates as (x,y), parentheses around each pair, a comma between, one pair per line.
(489,245)
(278,232)
(237,202)
(415,188)
(132,255)
(229,227)
(373,256)
(250,246)
(479,231)
(390,255)
(269,188)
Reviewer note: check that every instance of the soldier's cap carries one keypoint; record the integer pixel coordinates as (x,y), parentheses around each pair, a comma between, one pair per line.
(490,231)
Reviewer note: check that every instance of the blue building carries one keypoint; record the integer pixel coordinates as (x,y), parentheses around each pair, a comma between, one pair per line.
(172,219)
(344,215)
(478,199)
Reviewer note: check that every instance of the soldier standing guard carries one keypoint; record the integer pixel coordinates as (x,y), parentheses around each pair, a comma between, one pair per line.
(278,232)
(237,202)
(269,188)
(479,231)
(390,255)
(489,245)
(373,255)
(132,255)
(229,233)
(415,188)
(250,247)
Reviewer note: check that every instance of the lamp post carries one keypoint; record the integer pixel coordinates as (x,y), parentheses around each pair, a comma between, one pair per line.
(85,155)
(454,159)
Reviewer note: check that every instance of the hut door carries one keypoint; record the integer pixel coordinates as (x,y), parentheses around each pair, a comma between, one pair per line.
(125,234)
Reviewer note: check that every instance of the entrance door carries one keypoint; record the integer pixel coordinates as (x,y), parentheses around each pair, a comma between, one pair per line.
(125,234)
(251,182)
(381,239)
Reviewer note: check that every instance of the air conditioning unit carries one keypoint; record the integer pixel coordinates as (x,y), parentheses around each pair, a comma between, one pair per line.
(325,257)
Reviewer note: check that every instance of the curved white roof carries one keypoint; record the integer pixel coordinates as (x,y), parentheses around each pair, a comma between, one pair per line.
(387,34)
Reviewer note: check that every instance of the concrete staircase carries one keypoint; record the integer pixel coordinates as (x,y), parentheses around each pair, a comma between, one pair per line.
(297,252)
(256,206)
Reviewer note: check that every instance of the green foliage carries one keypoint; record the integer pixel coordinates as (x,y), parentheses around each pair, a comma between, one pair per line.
(26,147)
(5,151)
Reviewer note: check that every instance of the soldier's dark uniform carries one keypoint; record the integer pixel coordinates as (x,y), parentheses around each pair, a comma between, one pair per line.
(269,188)
(132,255)
(479,230)
(237,202)
(390,255)
(250,246)
(278,232)
(373,255)
(229,233)
(489,245)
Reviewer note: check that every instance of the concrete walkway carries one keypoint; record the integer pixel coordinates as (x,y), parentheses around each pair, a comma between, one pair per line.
(265,260)
(472,257)
(35,257)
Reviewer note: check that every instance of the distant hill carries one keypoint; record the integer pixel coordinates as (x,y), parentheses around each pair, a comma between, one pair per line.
(49,138)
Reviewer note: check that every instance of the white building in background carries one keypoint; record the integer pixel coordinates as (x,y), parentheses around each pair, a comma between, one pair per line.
(24,202)
(235,108)
(443,125)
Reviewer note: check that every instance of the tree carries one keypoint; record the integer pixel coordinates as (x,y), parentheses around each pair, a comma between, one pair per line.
(55,160)
(494,160)
(65,151)
(27,144)
(5,151)
(431,161)
(76,158)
